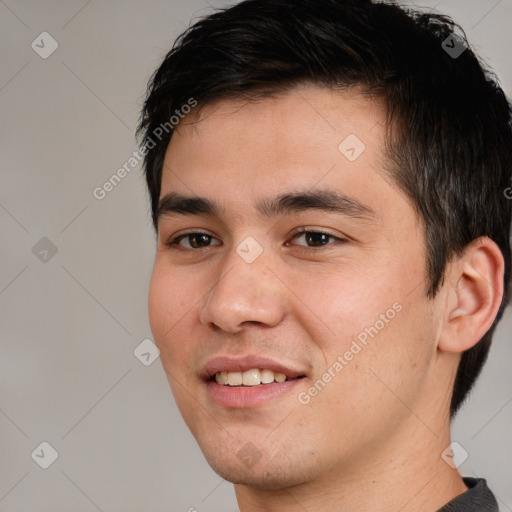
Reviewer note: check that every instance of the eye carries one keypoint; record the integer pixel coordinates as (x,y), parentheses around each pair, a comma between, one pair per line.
(198,240)
(195,241)
(316,238)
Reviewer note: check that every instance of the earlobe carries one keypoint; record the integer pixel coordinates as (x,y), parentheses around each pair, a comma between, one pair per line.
(475,292)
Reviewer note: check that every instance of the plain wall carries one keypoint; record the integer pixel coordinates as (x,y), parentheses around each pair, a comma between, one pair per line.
(70,324)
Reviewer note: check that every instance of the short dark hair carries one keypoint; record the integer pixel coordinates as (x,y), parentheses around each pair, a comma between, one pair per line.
(449,130)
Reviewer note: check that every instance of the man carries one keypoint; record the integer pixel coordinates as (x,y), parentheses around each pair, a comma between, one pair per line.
(328,184)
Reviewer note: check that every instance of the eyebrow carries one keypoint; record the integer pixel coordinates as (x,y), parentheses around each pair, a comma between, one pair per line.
(284,204)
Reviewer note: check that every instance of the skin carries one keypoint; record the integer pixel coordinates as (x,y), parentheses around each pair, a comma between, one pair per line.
(372,438)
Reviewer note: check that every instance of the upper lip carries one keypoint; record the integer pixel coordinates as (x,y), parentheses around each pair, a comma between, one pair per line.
(241,364)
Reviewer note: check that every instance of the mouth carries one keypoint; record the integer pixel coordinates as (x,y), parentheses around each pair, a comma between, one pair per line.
(250,378)
(241,383)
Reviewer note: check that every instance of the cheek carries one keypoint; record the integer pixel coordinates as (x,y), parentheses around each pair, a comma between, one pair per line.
(159,303)
(344,301)
(174,301)
(376,320)
(171,295)
(395,359)
(167,309)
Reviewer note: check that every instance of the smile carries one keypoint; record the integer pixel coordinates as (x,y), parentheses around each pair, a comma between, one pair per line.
(249,381)
(252,377)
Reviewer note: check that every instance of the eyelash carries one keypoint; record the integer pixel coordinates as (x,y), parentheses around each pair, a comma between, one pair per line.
(174,242)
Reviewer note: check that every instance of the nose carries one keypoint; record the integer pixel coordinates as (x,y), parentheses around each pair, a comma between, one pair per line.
(245,293)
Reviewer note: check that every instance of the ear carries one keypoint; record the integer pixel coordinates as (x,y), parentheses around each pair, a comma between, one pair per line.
(474,291)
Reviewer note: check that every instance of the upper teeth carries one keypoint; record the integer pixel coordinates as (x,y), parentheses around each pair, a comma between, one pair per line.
(251,377)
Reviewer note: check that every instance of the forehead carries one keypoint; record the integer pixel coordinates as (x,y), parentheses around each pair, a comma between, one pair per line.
(307,117)
(307,137)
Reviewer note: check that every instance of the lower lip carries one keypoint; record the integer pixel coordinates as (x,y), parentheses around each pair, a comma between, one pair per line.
(248,396)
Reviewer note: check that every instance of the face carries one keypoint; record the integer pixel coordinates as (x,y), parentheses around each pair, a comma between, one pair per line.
(300,257)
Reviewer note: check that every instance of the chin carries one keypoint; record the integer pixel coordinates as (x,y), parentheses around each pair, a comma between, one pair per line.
(267,479)
(265,473)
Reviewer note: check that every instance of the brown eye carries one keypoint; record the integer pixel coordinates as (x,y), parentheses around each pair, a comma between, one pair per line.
(198,240)
(315,238)
(194,241)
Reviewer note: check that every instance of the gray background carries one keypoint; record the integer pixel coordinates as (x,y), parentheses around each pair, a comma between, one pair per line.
(70,324)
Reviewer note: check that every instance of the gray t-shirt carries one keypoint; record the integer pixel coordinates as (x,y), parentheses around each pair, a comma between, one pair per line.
(478,498)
